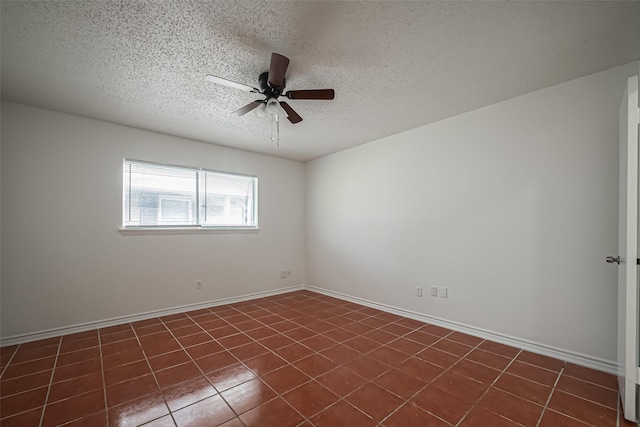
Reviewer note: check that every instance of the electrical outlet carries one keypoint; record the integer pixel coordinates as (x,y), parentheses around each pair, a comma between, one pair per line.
(434,291)
(198,284)
(284,274)
(288,273)
(418,291)
(444,293)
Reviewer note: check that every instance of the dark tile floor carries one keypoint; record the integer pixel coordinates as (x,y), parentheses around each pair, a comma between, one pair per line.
(298,359)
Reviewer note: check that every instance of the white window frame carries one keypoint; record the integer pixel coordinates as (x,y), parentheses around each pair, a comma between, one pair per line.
(200,200)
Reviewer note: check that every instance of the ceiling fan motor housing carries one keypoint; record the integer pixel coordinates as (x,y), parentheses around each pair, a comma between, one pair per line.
(267,90)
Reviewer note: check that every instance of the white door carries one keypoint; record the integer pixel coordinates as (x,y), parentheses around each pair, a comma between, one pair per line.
(628,343)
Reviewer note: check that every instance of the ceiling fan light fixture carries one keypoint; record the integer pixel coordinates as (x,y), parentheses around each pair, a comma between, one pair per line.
(273,106)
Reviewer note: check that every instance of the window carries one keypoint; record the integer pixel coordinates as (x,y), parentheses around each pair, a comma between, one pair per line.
(164,196)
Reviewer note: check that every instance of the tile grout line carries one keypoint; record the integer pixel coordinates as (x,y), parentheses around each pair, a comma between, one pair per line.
(363,354)
(489,388)
(445,370)
(9,361)
(358,335)
(338,365)
(407,400)
(243,364)
(553,389)
(296,307)
(104,383)
(586,381)
(314,352)
(53,371)
(411,330)
(281,395)
(295,341)
(219,393)
(587,400)
(144,353)
(512,361)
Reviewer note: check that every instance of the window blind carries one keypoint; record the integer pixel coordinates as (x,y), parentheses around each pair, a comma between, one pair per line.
(157,195)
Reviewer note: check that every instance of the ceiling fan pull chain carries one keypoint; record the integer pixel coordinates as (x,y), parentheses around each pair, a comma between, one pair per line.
(275,129)
(271,120)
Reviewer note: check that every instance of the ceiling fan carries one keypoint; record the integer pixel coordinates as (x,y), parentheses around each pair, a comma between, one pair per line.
(272,84)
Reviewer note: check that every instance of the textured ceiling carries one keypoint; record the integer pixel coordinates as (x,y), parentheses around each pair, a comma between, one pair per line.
(394,65)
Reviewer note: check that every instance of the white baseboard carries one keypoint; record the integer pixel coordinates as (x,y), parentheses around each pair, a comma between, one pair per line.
(66,330)
(534,347)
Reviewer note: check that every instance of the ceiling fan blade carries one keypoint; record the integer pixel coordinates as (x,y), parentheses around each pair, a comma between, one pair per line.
(311,94)
(225,82)
(244,110)
(293,116)
(277,69)
(282,112)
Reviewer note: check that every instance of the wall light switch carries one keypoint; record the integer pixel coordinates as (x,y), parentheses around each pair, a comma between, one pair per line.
(444,293)
(434,291)
(418,291)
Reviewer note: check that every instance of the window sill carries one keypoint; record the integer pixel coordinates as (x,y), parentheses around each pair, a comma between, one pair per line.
(186,230)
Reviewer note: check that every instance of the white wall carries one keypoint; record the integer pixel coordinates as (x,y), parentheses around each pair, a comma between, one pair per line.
(513,207)
(64,261)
